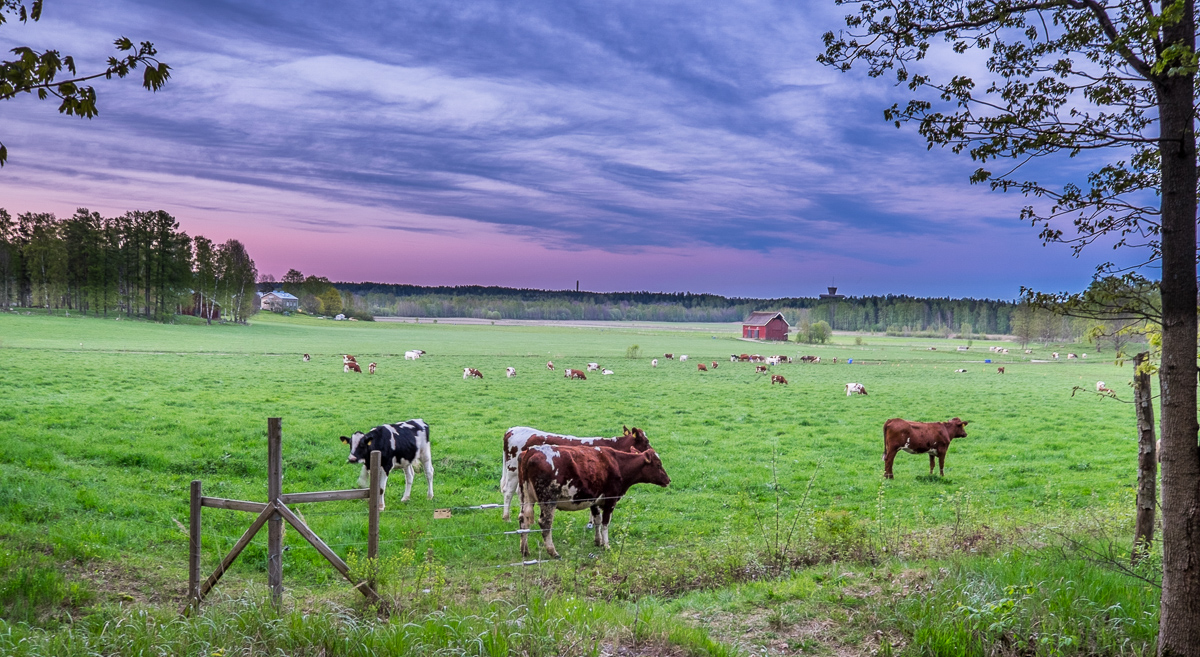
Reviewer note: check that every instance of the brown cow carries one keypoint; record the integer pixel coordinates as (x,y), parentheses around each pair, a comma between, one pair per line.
(351,366)
(775,378)
(669,356)
(347,358)
(701,367)
(574,374)
(920,438)
(575,478)
(517,439)
(371,368)
(745,358)
(999,370)
(760,369)
(469,372)
(714,365)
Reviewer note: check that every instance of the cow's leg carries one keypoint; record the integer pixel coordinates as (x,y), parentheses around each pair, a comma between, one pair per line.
(889,456)
(364,477)
(508,486)
(932,455)
(382,486)
(597,525)
(408,479)
(525,515)
(547,525)
(427,461)
(941,463)
(608,510)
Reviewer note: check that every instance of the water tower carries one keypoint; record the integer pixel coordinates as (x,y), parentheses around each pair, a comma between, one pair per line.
(833,297)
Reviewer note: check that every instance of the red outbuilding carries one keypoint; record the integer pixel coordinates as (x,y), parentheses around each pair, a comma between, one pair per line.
(765,325)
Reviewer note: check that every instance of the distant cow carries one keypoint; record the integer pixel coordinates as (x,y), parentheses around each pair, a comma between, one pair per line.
(307,358)
(683,358)
(855,389)
(760,369)
(669,356)
(550,365)
(370,368)
(809,359)
(347,358)
(1029,351)
(517,439)
(959,371)
(775,378)
(1071,356)
(933,348)
(744,357)
(701,367)
(400,445)
(351,366)
(999,370)
(574,374)
(920,438)
(733,358)
(714,364)
(510,372)
(575,478)
(1100,387)
(411,355)
(654,363)
(592,367)
(469,372)
(773,360)
(1083,355)
(1055,355)
(606,372)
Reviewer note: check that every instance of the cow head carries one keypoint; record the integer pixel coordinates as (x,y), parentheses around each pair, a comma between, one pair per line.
(360,446)
(957,428)
(653,471)
(639,443)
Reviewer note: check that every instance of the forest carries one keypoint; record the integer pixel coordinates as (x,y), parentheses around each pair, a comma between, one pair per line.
(138,264)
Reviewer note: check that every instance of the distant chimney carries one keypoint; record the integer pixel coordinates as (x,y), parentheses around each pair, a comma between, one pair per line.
(832,291)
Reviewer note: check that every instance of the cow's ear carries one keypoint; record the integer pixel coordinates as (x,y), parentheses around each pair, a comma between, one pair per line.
(966,422)
(345,440)
(625,430)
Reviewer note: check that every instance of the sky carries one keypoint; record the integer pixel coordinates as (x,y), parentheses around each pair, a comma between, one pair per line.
(627,145)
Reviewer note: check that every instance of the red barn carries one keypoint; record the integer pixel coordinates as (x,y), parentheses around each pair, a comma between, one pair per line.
(765,325)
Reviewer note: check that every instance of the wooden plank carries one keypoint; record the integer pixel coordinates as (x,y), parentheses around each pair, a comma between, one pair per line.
(325,496)
(194,545)
(329,554)
(234,505)
(373,509)
(237,549)
(275,524)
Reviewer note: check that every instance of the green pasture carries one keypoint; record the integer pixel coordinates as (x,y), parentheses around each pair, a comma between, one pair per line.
(104,423)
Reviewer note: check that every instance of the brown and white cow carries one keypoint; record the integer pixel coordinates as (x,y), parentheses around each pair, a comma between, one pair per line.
(1071,356)
(469,372)
(669,356)
(714,364)
(574,478)
(307,358)
(351,366)
(593,367)
(347,358)
(760,369)
(654,363)
(574,374)
(510,372)
(701,367)
(920,438)
(775,378)
(370,368)
(855,389)
(810,359)
(1100,387)
(550,365)
(517,439)
(745,358)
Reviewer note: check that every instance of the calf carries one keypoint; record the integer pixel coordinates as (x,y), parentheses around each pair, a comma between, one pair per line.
(510,372)
(517,439)
(469,372)
(592,367)
(370,368)
(400,445)
(574,478)
(701,367)
(999,370)
(775,378)
(574,374)
(550,365)
(606,372)
(919,438)
(855,389)
(351,366)
(307,358)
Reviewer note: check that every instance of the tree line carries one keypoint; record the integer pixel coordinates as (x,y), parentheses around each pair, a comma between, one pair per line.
(138,264)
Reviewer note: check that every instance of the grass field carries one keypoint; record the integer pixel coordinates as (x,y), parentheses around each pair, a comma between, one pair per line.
(104,423)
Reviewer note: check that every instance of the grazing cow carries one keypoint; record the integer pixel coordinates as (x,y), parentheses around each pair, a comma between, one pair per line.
(400,445)
(683,358)
(351,367)
(1029,351)
(760,369)
(307,358)
(1100,387)
(574,374)
(517,439)
(999,370)
(592,367)
(714,364)
(510,372)
(959,371)
(575,478)
(745,358)
(755,358)
(855,389)
(809,359)
(550,365)
(370,368)
(411,355)
(606,372)
(669,356)
(920,438)
(1071,356)
(701,367)
(654,363)
(733,358)
(1055,355)
(469,372)
(775,378)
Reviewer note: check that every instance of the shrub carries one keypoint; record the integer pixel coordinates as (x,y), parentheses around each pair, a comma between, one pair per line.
(633,351)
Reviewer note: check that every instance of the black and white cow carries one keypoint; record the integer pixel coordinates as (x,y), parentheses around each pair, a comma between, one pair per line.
(400,445)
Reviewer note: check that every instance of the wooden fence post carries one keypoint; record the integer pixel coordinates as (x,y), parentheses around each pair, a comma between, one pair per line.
(275,524)
(194,546)
(1147,482)
(373,510)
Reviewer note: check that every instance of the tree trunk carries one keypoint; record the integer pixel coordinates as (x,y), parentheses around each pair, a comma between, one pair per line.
(1143,529)
(1179,619)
